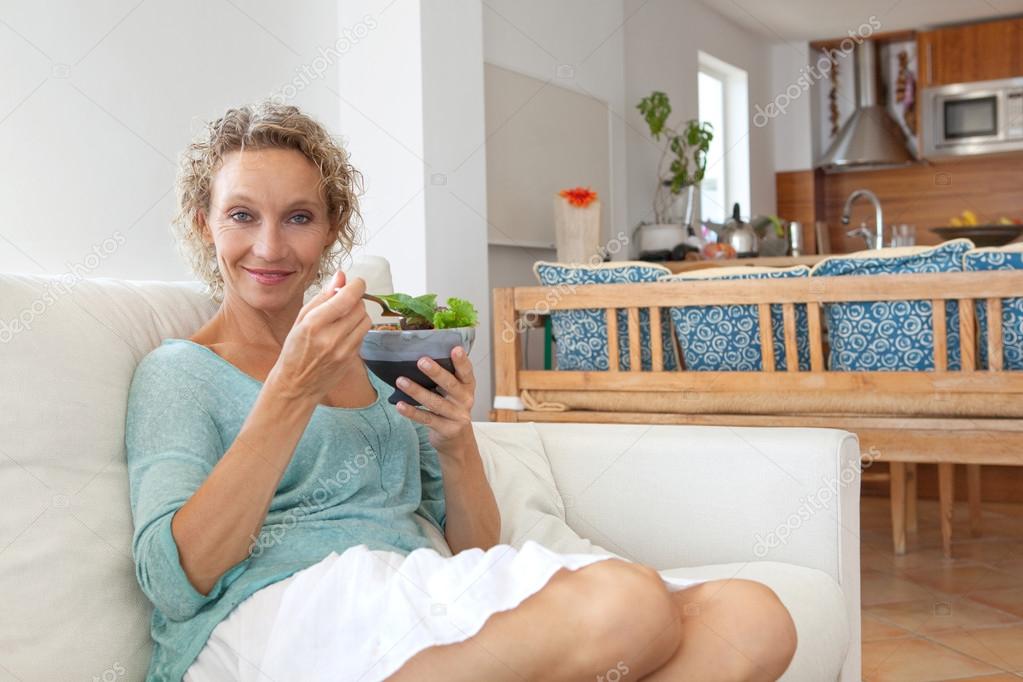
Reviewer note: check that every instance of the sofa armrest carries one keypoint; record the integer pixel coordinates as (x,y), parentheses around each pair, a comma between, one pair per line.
(673,496)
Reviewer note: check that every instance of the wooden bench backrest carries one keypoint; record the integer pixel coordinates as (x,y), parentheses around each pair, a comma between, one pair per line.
(514,308)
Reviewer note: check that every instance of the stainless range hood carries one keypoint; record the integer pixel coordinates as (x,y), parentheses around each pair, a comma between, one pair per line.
(870,138)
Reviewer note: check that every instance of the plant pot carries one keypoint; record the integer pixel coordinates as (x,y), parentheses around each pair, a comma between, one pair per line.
(660,237)
(393,353)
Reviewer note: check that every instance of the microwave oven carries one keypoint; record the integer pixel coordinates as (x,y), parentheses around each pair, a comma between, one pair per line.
(973,118)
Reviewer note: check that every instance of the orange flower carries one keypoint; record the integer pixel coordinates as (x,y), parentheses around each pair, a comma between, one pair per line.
(579,196)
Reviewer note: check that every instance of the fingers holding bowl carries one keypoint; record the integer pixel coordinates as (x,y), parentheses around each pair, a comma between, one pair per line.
(440,375)
(426,397)
(463,366)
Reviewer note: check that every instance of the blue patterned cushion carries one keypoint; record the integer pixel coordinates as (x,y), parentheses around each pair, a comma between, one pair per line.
(582,334)
(719,338)
(1005,258)
(891,335)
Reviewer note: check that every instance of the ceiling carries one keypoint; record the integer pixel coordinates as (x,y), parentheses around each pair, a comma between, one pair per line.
(801,20)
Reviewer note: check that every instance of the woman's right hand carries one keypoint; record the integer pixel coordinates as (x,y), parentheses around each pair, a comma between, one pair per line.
(322,348)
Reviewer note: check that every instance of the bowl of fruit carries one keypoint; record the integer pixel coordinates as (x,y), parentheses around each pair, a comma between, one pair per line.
(989,233)
(422,327)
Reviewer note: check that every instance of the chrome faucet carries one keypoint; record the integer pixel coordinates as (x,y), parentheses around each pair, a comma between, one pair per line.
(876,240)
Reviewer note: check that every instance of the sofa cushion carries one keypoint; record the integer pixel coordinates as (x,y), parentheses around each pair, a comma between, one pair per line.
(891,335)
(1000,258)
(727,337)
(520,474)
(72,607)
(582,334)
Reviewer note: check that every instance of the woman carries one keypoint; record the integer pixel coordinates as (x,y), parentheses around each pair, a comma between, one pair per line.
(275,493)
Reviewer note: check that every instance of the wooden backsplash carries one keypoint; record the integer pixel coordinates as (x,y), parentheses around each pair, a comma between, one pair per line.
(927,194)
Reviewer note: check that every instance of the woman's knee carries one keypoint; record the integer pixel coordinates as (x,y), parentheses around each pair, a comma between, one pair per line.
(769,632)
(626,609)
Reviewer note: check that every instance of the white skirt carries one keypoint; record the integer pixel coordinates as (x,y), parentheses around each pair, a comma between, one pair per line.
(362,614)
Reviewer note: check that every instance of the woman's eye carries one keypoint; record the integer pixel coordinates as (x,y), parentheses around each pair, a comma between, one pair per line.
(301,219)
(241,216)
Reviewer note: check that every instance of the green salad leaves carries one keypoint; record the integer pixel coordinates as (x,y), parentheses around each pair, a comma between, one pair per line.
(422,312)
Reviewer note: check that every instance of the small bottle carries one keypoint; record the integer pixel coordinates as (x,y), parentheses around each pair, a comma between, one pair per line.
(796,238)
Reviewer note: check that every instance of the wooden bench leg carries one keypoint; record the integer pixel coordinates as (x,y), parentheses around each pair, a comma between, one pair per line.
(946,501)
(973,494)
(911,479)
(897,493)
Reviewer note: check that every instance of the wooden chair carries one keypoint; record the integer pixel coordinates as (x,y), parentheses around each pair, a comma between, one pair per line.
(902,478)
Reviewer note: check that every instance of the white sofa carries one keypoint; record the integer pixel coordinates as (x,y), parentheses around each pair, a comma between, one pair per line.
(776,505)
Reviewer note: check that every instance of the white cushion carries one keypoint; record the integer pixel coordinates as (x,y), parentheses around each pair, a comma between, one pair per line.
(531,506)
(72,607)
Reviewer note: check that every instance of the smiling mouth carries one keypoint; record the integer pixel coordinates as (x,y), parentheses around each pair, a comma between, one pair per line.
(269,276)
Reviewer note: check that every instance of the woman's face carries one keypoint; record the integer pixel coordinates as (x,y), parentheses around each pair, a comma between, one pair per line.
(269,224)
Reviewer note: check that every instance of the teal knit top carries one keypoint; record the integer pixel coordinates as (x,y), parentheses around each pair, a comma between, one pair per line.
(357,476)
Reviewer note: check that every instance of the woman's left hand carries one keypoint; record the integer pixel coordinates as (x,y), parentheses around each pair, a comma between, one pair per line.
(449,417)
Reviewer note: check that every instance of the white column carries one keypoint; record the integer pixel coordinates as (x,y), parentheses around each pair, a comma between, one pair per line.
(411,91)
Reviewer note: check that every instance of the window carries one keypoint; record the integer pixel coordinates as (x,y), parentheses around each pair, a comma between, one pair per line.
(723,96)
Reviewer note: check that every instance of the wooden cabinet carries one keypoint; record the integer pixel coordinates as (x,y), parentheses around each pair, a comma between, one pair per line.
(975,52)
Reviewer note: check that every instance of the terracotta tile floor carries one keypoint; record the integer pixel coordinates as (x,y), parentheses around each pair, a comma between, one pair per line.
(930,618)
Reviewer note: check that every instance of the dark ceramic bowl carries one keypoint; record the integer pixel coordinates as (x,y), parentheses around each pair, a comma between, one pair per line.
(393,353)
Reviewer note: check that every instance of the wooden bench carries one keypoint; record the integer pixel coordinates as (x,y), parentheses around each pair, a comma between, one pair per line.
(921,432)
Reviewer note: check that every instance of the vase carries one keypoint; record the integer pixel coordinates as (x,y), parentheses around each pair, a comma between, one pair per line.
(577,231)
(674,208)
(681,208)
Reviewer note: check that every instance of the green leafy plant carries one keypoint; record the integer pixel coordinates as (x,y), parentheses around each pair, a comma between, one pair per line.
(687,149)
(422,312)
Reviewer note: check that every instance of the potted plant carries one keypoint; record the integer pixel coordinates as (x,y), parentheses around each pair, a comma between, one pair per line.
(685,153)
(423,328)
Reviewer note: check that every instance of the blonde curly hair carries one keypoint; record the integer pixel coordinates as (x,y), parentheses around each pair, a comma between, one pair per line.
(266,125)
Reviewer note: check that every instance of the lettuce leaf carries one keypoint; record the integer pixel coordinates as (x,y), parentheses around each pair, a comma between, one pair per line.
(422,312)
(417,309)
(459,313)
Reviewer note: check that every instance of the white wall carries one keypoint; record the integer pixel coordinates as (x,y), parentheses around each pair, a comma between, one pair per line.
(790,123)
(662,38)
(577,44)
(99,98)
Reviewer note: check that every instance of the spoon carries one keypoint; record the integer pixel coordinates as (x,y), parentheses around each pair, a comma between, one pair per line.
(387,312)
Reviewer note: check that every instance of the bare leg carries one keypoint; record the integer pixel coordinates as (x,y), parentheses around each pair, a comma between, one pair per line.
(581,625)
(731,630)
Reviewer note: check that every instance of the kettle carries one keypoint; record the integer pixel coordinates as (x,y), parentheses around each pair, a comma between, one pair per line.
(740,236)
